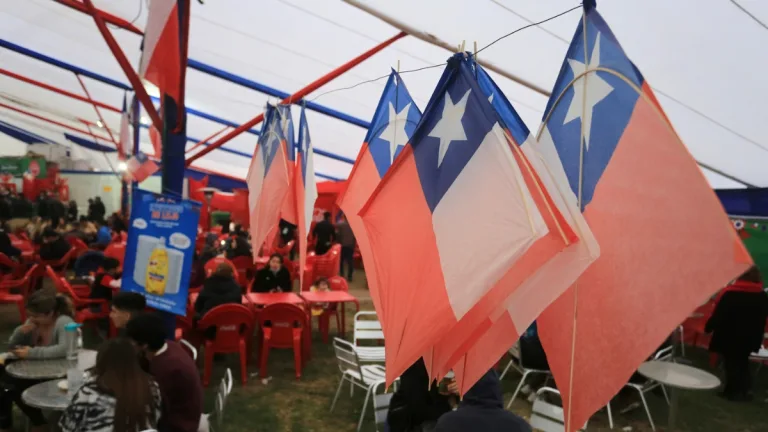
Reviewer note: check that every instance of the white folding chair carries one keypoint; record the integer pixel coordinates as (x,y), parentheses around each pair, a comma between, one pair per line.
(517,364)
(380,405)
(368,330)
(366,377)
(546,416)
(189,348)
(664,354)
(228,378)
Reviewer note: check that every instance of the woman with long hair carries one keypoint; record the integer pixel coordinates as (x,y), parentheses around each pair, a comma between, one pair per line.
(42,336)
(117,394)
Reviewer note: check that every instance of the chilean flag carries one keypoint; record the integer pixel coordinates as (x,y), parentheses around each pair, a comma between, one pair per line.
(139,167)
(450,218)
(267,179)
(161,50)
(548,281)
(393,123)
(289,210)
(305,189)
(666,244)
(124,141)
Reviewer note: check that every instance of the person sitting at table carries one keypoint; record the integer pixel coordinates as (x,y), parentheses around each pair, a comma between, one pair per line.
(106,280)
(42,336)
(737,326)
(482,409)
(54,246)
(117,395)
(238,246)
(6,246)
(321,285)
(174,370)
(125,305)
(273,278)
(218,289)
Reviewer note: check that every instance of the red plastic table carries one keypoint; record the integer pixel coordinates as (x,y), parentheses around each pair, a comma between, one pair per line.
(266,299)
(340,297)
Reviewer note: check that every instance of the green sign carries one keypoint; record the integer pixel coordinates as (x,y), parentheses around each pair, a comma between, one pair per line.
(18,166)
(754,234)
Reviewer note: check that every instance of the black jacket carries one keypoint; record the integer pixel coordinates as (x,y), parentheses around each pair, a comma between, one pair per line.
(217,290)
(7,247)
(738,322)
(325,234)
(54,250)
(482,409)
(415,402)
(266,281)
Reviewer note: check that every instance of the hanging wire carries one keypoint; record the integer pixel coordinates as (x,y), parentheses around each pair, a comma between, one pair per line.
(443,64)
(138,14)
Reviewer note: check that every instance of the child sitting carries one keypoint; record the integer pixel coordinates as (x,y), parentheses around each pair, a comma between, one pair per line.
(320,285)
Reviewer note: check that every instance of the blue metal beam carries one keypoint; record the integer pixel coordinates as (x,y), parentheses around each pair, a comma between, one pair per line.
(261,88)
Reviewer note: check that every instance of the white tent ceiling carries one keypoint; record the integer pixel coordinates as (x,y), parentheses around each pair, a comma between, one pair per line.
(701,58)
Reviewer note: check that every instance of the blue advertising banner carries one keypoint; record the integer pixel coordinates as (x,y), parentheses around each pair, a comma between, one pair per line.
(160,249)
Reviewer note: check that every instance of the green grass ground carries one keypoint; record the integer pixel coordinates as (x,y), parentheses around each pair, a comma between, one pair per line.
(285,404)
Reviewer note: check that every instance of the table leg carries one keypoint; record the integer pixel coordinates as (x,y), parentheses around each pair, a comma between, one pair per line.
(673,406)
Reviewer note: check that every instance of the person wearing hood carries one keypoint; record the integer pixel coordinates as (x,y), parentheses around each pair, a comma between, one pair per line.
(54,246)
(218,289)
(273,278)
(416,405)
(482,409)
(238,246)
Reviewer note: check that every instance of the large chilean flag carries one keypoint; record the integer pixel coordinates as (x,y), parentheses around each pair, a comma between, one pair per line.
(161,49)
(450,218)
(289,211)
(305,189)
(267,179)
(666,244)
(393,123)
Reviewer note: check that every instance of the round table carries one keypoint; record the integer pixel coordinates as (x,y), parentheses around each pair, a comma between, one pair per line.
(46,369)
(47,395)
(678,376)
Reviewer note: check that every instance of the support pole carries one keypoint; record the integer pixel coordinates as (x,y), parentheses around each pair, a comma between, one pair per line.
(300,94)
(109,18)
(101,119)
(434,40)
(138,87)
(51,121)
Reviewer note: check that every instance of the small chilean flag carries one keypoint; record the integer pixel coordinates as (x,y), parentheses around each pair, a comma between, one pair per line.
(139,167)
(161,51)
(391,128)
(305,189)
(267,179)
(666,245)
(289,211)
(452,216)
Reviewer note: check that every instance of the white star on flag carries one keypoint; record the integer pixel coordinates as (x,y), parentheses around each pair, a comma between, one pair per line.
(449,127)
(271,137)
(490,98)
(305,144)
(597,90)
(395,133)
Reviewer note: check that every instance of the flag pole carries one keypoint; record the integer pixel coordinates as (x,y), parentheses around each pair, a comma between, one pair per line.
(434,40)
(300,94)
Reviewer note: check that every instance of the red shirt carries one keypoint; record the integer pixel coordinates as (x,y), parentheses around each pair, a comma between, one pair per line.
(180,387)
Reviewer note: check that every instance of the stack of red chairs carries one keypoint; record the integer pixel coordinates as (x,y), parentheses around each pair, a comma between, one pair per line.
(286,329)
(60,266)
(327,265)
(245,273)
(116,250)
(21,287)
(86,310)
(234,330)
(337,283)
(78,245)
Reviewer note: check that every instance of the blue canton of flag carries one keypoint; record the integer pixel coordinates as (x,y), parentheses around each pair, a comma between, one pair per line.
(456,121)
(286,125)
(270,138)
(304,144)
(393,123)
(509,117)
(604,107)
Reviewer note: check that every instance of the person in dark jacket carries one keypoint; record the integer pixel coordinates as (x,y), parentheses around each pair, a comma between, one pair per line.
(416,405)
(482,409)
(218,289)
(273,278)
(99,211)
(238,246)
(54,246)
(57,212)
(324,234)
(106,280)
(737,326)
(346,238)
(6,246)
(72,211)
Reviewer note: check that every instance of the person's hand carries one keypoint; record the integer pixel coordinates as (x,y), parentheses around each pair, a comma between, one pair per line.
(21,352)
(28,327)
(453,387)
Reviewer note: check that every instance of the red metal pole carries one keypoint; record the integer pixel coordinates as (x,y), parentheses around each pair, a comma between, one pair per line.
(57,90)
(299,94)
(208,138)
(114,20)
(46,119)
(138,87)
(98,113)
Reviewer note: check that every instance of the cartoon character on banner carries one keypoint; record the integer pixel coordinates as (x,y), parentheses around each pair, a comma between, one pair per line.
(739,224)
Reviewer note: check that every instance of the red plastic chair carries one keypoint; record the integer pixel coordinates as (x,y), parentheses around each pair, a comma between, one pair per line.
(234,329)
(285,250)
(23,286)
(244,267)
(285,330)
(211,265)
(83,291)
(84,313)
(116,251)
(337,283)
(13,267)
(60,265)
(308,271)
(78,245)
(327,265)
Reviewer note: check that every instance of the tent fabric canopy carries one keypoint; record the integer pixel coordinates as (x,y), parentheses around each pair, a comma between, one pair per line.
(703,76)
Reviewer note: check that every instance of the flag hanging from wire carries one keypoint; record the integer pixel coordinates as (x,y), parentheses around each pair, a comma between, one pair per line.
(139,167)
(666,244)
(305,189)
(289,212)
(161,59)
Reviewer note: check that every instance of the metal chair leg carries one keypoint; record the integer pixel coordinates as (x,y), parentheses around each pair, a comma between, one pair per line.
(506,369)
(610,415)
(517,390)
(338,391)
(666,396)
(365,405)
(647,410)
